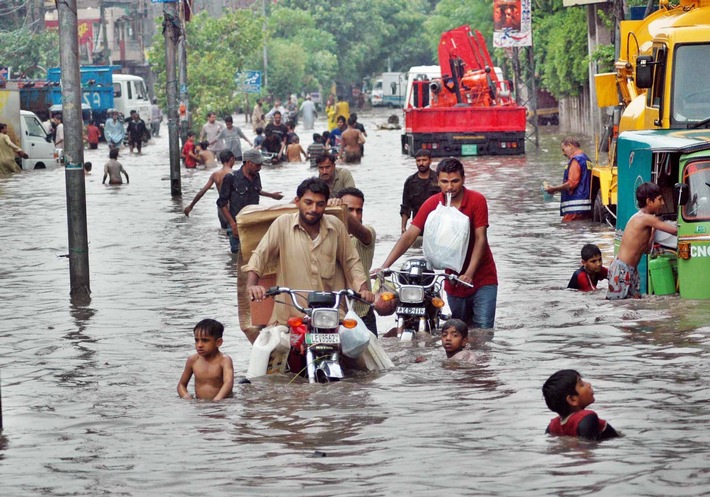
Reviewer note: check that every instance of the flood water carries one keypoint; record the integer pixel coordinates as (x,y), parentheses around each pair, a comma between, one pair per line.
(88,390)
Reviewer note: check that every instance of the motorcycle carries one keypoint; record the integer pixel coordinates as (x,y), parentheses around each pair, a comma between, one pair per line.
(314,338)
(418,289)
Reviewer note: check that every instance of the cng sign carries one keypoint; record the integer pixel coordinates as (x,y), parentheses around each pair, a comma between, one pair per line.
(249,81)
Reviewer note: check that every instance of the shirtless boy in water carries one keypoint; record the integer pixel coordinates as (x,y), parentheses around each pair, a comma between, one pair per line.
(637,239)
(213,370)
(352,139)
(216,178)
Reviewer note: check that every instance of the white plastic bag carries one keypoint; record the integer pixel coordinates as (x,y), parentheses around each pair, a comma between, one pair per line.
(354,341)
(446,234)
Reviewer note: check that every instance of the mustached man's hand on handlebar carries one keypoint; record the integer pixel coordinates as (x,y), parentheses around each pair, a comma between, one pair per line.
(256,292)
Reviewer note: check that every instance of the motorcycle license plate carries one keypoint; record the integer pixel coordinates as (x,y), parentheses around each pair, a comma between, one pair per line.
(312,338)
(411,311)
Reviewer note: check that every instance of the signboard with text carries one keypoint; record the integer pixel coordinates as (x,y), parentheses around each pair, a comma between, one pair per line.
(248,81)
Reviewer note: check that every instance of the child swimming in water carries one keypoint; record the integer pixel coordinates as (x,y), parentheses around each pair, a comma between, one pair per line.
(454,337)
(566,394)
(586,277)
(213,370)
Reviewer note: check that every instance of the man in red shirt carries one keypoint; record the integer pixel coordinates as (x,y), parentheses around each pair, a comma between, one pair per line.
(475,306)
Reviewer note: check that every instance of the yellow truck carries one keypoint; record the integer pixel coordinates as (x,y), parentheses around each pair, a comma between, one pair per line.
(660,82)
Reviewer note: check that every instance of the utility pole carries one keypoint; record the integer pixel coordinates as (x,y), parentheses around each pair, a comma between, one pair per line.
(171,31)
(184,94)
(73,149)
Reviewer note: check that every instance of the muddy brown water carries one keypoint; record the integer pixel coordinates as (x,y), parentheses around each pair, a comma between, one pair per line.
(88,390)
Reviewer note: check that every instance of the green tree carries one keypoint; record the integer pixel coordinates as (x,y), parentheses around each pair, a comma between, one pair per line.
(560,39)
(217,48)
(29,53)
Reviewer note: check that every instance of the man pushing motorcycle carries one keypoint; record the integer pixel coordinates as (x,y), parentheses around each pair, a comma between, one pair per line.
(311,249)
(475,304)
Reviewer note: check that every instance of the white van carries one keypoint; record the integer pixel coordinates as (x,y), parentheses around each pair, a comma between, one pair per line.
(129,93)
(36,143)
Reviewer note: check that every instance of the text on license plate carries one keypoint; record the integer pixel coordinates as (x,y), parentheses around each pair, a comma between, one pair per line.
(312,338)
(412,311)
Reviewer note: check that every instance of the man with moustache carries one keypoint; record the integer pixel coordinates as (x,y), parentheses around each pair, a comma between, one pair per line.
(418,187)
(312,251)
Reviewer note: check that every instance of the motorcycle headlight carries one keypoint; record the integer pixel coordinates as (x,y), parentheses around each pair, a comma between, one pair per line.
(325,318)
(411,294)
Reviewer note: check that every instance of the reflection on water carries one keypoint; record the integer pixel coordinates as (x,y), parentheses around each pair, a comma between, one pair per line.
(88,388)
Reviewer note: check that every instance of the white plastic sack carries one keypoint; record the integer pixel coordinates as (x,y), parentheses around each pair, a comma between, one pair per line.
(354,341)
(446,234)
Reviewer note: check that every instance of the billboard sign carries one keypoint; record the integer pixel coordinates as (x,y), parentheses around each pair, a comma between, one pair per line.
(512,23)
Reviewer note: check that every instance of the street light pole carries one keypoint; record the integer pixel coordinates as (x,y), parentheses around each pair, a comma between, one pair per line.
(73,149)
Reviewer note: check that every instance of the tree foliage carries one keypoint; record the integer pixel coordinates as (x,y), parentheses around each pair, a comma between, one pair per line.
(560,38)
(217,48)
(29,53)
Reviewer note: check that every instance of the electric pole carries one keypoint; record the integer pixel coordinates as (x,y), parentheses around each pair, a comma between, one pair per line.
(171,31)
(73,149)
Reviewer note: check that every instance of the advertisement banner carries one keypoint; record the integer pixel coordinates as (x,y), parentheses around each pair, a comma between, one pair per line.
(512,23)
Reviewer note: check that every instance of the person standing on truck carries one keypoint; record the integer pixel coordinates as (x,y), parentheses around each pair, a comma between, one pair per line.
(136,131)
(576,187)
(114,131)
(8,151)
(418,187)
(156,118)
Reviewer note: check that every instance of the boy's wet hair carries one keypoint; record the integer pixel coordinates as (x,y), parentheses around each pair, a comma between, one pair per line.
(225,156)
(259,130)
(228,119)
(315,185)
(557,388)
(647,191)
(204,145)
(456,324)
(190,133)
(113,153)
(211,327)
(450,165)
(590,250)
(352,120)
(317,137)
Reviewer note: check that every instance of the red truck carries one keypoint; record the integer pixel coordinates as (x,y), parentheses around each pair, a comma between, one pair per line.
(468,110)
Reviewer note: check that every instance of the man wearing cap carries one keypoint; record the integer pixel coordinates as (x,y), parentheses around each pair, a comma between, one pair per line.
(114,131)
(242,188)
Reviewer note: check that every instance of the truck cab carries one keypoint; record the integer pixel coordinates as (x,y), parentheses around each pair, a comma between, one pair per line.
(129,93)
(659,84)
(678,161)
